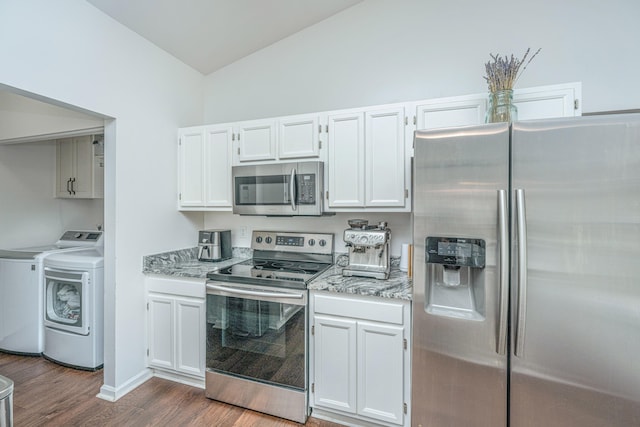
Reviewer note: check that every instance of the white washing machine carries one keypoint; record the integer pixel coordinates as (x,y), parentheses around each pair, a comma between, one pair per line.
(21,297)
(74,308)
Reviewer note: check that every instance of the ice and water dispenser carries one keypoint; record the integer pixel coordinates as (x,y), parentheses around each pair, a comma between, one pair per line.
(455,277)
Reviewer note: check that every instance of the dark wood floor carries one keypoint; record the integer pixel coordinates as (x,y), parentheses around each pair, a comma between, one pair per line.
(47,394)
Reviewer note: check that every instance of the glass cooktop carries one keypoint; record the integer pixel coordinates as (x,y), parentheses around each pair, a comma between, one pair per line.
(282,273)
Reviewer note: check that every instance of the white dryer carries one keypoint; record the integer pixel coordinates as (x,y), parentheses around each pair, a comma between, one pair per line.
(74,308)
(21,297)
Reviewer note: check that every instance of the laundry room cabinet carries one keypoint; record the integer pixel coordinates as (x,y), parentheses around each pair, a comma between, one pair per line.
(176,328)
(80,167)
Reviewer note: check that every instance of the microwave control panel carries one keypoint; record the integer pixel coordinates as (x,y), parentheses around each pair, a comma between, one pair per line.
(306,189)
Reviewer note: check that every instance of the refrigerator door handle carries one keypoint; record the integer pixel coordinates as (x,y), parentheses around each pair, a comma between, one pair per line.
(521,230)
(503,256)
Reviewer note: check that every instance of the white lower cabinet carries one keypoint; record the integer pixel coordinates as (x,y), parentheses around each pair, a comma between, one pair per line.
(176,326)
(360,359)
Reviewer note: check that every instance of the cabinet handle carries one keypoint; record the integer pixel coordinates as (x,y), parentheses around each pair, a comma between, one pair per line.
(68,186)
(73,191)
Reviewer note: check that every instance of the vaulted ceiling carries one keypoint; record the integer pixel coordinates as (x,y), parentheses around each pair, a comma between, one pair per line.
(210,34)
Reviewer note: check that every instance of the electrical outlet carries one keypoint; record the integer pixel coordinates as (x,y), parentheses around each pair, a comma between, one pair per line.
(244,232)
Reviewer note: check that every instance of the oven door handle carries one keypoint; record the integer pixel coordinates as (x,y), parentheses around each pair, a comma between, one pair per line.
(254,292)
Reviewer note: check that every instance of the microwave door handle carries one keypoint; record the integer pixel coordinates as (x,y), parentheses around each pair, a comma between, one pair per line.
(292,189)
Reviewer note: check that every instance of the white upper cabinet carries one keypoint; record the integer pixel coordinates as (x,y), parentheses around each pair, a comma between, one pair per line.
(279,139)
(386,164)
(451,112)
(547,102)
(204,171)
(368,165)
(217,166)
(256,140)
(299,137)
(191,166)
(367,151)
(543,102)
(346,159)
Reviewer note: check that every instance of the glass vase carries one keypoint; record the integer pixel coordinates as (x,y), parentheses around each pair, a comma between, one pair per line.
(501,107)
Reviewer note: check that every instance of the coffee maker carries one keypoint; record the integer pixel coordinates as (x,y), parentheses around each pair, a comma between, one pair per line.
(368,249)
(214,245)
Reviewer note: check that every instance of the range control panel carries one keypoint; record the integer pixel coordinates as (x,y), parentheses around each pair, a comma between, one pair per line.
(81,236)
(455,251)
(319,243)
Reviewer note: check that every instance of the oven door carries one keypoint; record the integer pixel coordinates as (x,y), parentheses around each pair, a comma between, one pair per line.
(257,333)
(66,302)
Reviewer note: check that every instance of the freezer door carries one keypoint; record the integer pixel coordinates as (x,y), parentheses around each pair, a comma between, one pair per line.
(576,272)
(459,375)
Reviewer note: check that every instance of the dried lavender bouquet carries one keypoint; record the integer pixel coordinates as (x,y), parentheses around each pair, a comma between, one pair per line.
(503,72)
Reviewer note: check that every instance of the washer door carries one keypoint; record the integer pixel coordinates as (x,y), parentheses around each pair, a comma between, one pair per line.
(67,300)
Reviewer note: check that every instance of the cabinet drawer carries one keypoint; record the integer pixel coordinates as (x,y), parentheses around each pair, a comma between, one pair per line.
(185,287)
(360,308)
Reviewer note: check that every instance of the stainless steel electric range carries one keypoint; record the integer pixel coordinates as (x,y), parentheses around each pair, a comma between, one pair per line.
(257,322)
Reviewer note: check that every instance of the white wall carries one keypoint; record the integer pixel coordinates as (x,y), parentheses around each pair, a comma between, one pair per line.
(31,216)
(385,51)
(381,52)
(70,52)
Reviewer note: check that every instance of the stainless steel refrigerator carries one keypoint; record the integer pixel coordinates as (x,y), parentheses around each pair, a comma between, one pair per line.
(526,300)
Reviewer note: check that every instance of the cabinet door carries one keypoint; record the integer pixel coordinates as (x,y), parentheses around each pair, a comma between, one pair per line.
(217,167)
(82,181)
(548,101)
(191,166)
(161,332)
(190,336)
(381,372)
(335,363)
(451,112)
(64,167)
(345,175)
(256,140)
(385,158)
(298,137)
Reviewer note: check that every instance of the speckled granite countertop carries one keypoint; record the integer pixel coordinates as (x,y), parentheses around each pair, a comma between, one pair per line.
(398,286)
(184,263)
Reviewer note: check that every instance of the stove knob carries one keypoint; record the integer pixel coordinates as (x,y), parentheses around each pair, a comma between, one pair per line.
(258,239)
(322,242)
(312,242)
(268,240)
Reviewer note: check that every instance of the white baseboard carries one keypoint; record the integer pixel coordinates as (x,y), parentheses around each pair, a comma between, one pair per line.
(182,379)
(344,419)
(112,393)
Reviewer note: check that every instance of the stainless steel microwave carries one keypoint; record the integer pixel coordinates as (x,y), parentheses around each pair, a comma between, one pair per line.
(284,189)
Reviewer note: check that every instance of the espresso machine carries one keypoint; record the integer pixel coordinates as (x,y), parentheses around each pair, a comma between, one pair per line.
(214,245)
(368,249)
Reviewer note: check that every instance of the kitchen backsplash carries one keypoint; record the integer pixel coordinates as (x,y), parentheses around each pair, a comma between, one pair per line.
(242,226)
